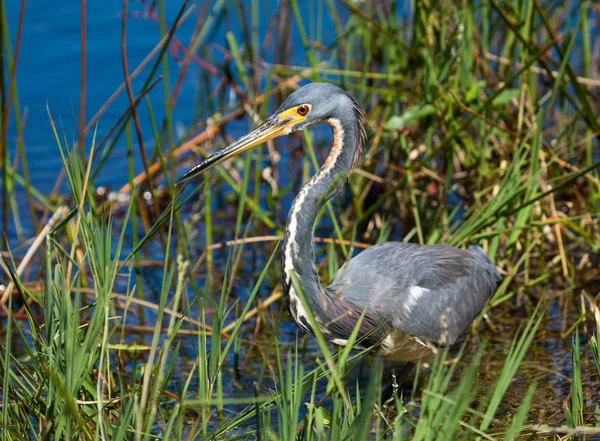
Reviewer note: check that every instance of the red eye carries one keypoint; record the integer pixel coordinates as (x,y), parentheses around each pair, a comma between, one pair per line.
(303,110)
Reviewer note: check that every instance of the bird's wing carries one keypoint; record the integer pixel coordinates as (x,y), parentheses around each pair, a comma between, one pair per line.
(431,292)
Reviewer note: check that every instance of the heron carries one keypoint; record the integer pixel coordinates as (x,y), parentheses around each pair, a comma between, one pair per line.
(412,298)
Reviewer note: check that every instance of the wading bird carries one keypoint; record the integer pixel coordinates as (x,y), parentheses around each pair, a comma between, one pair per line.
(414,297)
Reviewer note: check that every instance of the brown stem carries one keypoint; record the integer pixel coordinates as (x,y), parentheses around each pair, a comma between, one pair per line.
(188,54)
(132,103)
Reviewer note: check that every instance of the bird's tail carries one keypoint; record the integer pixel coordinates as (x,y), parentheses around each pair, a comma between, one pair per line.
(477,251)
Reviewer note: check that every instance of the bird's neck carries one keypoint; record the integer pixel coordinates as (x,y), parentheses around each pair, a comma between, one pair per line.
(298,256)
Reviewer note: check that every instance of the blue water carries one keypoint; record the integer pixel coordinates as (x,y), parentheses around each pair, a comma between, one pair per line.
(48,76)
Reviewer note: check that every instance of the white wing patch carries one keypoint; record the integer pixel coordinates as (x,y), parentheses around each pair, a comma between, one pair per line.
(414,294)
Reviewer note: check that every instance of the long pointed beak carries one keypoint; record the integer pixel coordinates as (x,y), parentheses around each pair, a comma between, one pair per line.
(272,128)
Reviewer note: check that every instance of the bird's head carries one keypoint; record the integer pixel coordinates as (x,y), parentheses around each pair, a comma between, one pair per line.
(311,104)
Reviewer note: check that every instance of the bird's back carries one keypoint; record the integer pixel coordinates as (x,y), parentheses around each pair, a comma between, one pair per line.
(430,292)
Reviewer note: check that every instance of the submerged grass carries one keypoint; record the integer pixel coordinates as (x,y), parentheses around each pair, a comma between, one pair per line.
(133,319)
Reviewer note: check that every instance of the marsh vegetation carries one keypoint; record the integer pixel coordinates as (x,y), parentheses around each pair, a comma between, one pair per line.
(131,310)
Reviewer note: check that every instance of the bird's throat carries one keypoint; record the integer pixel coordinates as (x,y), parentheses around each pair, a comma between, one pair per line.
(298,255)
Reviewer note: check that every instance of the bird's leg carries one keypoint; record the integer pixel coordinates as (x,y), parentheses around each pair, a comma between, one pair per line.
(402,376)
(397,380)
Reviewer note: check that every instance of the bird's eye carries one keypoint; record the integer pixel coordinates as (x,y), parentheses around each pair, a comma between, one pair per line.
(303,110)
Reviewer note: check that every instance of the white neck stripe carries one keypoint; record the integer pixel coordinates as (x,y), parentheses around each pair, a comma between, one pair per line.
(291,250)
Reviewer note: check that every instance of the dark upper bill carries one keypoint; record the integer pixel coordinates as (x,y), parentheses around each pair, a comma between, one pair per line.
(275,126)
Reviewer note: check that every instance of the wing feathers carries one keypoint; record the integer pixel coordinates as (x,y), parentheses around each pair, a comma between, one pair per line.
(430,292)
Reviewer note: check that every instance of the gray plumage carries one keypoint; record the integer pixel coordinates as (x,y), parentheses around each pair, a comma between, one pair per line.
(414,296)
(455,286)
